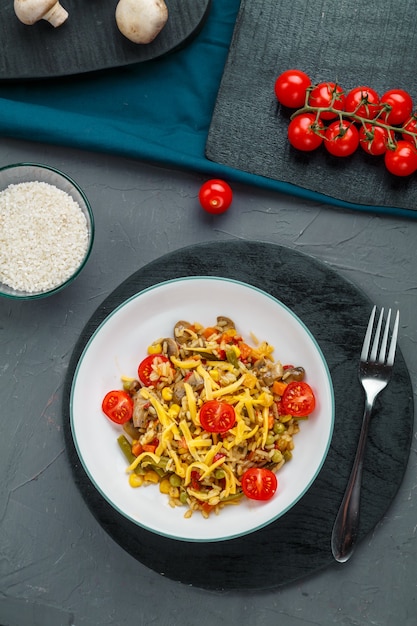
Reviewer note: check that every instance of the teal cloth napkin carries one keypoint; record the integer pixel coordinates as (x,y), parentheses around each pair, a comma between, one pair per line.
(157,111)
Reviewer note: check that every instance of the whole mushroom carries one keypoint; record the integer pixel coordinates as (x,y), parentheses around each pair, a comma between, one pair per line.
(141,21)
(31,11)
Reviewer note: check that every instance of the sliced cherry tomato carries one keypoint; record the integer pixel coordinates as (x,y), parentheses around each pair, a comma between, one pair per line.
(402,160)
(400,106)
(259,483)
(325,95)
(342,138)
(363,101)
(291,88)
(298,399)
(217,417)
(215,196)
(305,132)
(146,368)
(118,406)
(375,139)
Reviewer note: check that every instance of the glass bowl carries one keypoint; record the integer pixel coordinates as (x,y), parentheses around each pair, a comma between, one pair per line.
(36,234)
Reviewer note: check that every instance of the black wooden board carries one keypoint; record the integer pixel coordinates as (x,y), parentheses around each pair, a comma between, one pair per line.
(372,43)
(89,40)
(298,544)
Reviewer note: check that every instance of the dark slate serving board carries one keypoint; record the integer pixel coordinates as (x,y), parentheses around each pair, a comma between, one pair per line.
(298,544)
(89,40)
(372,43)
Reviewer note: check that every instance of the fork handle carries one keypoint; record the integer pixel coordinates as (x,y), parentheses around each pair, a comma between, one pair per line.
(345,529)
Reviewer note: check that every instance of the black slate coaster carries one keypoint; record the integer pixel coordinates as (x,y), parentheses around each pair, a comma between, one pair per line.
(298,544)
(89,40)
(372,43)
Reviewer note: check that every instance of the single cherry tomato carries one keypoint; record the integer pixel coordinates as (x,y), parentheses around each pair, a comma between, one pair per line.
(363,101)
(217,417)
(305,132)
(402,160)
(325,95)
(375,139)
(400,106)
(342,138)
(215,196)
(149,366)
(411,127)
(291,88)
(118,406)
(259,483)
(298,399)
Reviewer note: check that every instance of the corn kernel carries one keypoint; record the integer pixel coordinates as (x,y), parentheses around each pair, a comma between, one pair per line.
(155,348)
(164,486)
(174,410)
(151,477)
(135,480)
(237,351)
(215,375)
(167,394)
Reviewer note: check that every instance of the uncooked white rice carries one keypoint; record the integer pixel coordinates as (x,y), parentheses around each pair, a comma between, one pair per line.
(43,236)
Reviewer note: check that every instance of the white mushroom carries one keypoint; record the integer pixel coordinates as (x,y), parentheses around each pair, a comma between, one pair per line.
(141,21)
(31,11)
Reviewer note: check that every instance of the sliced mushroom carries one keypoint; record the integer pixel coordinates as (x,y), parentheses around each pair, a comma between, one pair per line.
(267,371)
(140,411)
(196,382)
(179,331)
(169,347)
(225,322)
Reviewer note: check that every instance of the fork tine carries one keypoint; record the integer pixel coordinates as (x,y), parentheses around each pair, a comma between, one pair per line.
(393,345)
(368,334)
(376,338)
(384,343)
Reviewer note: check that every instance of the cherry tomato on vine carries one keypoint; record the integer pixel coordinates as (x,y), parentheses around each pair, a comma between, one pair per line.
(217,416)
(291,88)
(411,126)
(298,399)
(375,139)
(118,406)
(363,101)
(305,132)
(215,196)
(259,483)
(148,366)
(401,105)
(327,95)
(342,138)
(402,160)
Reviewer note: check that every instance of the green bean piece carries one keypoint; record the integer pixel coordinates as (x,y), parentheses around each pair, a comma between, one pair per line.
(126,448)
(174,480)
(219,474)
(131,430)
(232,357)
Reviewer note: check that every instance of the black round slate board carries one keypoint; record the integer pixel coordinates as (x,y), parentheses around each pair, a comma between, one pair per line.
(298,544)
(89,40)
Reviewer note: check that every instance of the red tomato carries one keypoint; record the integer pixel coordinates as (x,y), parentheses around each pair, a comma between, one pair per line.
(215,196)
(325,95)
(291,88)
(363,101)
(411,126)
(400,106)
(118,406)
(375,139)
(217,417)
(259,483)
(145,368)
(342,138)
(402,160)
(305,133)
(298,399)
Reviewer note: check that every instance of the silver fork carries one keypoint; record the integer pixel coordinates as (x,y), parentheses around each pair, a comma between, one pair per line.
(375,369)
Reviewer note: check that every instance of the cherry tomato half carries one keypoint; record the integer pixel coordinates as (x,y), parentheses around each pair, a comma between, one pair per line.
(215,196)
(401,106)
(375,139)
(149,366)
(305,133)
(342,138)
(298,399)
(217,417)
(291,88)
(327,95)
(259,483)
(118,406)
(402,160)
(363,101)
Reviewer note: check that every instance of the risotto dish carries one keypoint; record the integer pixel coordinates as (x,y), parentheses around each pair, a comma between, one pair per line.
(210,417)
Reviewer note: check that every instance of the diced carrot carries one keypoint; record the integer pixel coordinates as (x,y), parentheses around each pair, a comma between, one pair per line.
(137,448)
(271,421)
(208,332)
(245,350)
(149,447)
(279,387)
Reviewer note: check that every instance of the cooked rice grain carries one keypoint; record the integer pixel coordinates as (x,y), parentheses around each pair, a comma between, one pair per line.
(43,236)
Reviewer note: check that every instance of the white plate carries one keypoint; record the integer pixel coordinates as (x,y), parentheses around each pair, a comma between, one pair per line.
(120,343)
